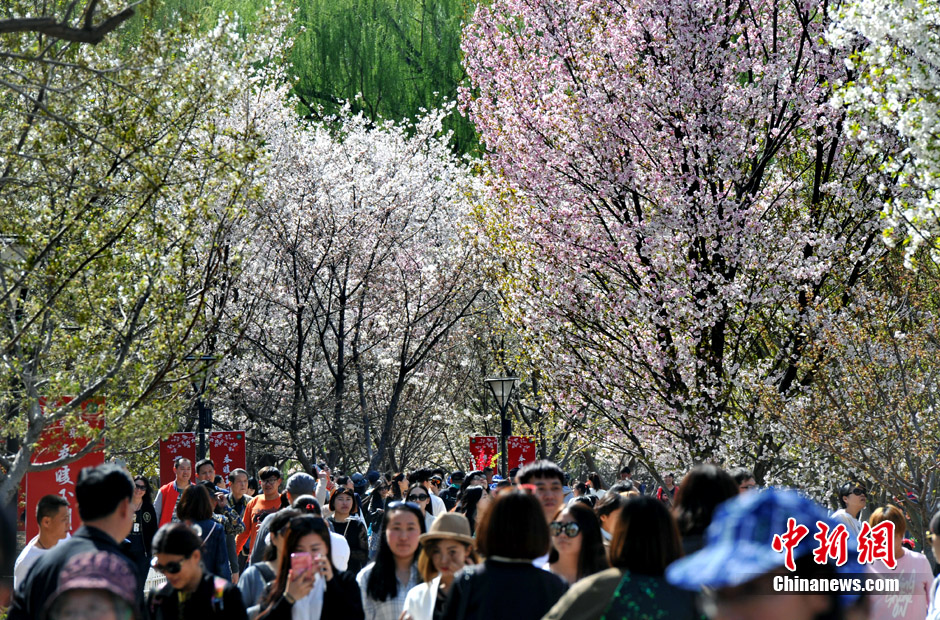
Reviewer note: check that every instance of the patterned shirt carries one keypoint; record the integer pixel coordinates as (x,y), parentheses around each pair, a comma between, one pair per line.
(389,609)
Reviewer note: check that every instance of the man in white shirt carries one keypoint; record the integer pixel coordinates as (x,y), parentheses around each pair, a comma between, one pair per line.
(52,514)
(852,497)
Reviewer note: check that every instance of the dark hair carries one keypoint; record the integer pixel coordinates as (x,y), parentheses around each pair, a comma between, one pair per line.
(180,459)
(269,471)
(307,504)
(232,474)
(429,509)
(585,500)
(202,462)
(621,487)
(741,475)
(382,584)
(581,488)
(935,522)
(176,539)
(592,557)
(49,506)
(344,491)
(342,480)
(540,469)
(596,481)
(846,489)
(701,491)
(297,528)
(394,486)
(148,492)
(646,539)
(419,476)
(195,504)
(625,470)
(610,503)
(487,469)
(253,484)
(100,490)
(467,484)
(277,524)
(467,505)
(514,527)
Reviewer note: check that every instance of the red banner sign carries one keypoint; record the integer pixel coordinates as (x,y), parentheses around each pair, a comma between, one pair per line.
(484,451)
(57,442)
(227,451)
(177,444)
(521,451)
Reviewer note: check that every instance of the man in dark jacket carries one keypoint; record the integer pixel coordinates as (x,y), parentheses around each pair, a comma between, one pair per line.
(104,504)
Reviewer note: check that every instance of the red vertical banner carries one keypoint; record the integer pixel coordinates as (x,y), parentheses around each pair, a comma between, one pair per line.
(484,451)
(177,444)
(227,451)
(58,442)
(521,451)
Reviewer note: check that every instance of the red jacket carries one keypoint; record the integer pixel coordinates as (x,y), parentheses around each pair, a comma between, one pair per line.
(168,495)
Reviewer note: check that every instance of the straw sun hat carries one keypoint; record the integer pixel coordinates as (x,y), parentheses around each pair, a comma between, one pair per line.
(450,526)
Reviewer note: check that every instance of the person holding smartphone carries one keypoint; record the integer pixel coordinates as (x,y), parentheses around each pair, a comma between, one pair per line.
(308,586)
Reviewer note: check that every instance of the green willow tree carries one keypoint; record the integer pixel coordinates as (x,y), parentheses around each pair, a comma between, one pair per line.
(389,59)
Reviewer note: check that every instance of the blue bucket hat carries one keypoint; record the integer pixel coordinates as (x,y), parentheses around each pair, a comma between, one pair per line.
(739,540)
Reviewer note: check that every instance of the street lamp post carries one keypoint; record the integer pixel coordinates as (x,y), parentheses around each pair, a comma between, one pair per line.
(204,413)
(502,388)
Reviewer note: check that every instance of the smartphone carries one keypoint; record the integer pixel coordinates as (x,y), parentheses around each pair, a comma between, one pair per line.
(300,563)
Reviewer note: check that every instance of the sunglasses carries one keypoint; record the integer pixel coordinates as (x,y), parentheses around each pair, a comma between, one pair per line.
(436,482)
(417,498)
(409,504)
(860,492)
(141,487)
(570,530)
(171,568)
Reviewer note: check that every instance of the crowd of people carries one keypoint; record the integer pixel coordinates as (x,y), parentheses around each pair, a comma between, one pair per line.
(435,545)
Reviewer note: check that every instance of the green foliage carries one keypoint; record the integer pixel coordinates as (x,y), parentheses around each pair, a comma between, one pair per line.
(123,167)
(401,56)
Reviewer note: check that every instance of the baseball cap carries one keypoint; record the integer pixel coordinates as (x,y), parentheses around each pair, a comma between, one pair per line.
(739,540)
(97,570)
(301,484)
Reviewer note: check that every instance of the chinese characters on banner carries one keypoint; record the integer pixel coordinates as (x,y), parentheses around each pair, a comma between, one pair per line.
(177,444)
(484,451)
(874,543)
(56,442)
(521,451)
(227,451)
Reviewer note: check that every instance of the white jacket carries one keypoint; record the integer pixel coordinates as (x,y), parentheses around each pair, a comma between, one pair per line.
(421,598)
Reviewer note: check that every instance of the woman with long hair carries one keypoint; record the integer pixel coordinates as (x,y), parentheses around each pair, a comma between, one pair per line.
(144,528)
(385,583)
(191,592)
(420,495)
(346,522)
(195,509)
(254,581)
(646,540)
(308,586)
(577,546)
(473,504)
(445,549)
(699,494)
(511,534)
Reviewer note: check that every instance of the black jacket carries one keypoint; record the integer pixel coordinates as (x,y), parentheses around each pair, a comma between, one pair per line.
(43,578)
(341,600)
(498,590)
(214,598)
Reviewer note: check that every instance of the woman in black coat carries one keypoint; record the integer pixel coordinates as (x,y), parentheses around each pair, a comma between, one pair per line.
(310,582)
(145,526)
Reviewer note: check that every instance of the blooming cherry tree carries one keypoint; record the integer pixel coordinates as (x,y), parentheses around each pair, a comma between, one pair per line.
(892,87)
(677,204)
